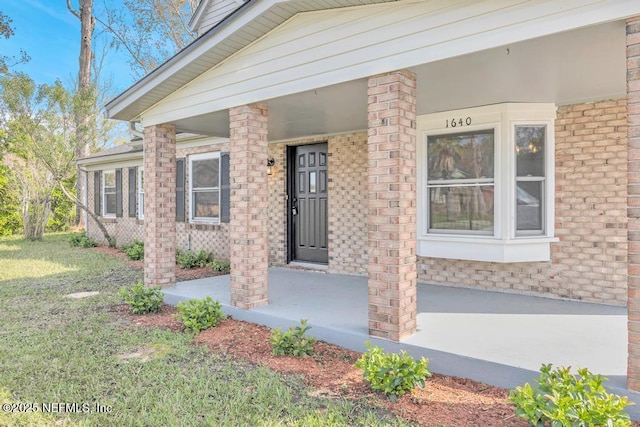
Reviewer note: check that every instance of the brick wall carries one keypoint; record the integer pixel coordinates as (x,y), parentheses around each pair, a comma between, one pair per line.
(212,238)
(347,189)
(127,228)
(590,261)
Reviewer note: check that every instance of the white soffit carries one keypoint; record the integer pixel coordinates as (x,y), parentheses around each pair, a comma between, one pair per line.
(328,47)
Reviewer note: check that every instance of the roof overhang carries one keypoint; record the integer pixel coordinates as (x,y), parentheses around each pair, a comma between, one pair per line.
(248,23)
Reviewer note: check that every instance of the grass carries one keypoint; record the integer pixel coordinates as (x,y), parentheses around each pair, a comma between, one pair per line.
(55,349)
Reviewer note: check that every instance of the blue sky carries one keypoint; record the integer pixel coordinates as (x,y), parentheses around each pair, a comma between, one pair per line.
(50,34)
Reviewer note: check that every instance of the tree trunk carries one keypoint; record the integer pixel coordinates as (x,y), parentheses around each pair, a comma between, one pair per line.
(84,98)
(111,241)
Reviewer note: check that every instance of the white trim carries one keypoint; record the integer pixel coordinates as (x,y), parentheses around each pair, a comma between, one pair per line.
(504,245)
(103,193)
(196,157)
(200,142)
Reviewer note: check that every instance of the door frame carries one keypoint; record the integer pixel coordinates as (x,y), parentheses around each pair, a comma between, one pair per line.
(290,188)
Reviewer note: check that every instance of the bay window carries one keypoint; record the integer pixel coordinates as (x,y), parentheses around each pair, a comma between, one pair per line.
(485,179)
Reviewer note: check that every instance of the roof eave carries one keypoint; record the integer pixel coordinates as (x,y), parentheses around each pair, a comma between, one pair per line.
(115,109)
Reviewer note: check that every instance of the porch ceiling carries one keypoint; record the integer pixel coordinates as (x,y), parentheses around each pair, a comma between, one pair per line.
(576,66)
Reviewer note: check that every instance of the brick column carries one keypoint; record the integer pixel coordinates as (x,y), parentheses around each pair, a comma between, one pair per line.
(633,202)
(391,219)
(249,205)
(160,205)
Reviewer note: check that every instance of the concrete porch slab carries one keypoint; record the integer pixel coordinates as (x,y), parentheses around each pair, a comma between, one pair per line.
(499,339)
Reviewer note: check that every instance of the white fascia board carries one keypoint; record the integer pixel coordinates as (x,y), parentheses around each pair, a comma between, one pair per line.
(112,162)
(552,17)
(194,22)
(179,62)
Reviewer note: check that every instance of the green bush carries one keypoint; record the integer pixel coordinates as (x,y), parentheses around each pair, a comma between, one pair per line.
(142,299)
(199,314)
(562,399)
(135,250)
(220,265)
(293,342)
(82,240)
(393,374)
(190,259)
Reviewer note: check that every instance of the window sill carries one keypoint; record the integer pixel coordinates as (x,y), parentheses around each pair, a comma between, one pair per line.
(531,249)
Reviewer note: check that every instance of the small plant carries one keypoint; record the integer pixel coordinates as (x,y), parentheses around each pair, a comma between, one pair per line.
(293,342)
(562,399)
(393,374)
(142,299)
(82,240)
(190,259)
(199,314)
(112,242)
(135,250)
(220,265)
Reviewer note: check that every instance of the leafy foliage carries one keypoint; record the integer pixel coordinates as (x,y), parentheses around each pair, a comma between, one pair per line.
(562,399)
(220,265)
(142,299)
(199,314)
(190,259)
(135,250)
(293,342)
(150,31)
(82,240)
(393,374)
(10,221)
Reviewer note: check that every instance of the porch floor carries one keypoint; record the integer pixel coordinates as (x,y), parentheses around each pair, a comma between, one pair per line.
(499,339)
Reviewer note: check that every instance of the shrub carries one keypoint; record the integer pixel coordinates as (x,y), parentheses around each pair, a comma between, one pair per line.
(135,250)
(563,399)
(189,259)
(142,299)
(220,265)
(392,373)
(82,240)
(199,314)
(293,342)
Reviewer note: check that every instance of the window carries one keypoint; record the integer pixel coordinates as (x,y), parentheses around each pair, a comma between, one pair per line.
(109,193)
(204,187)
(487,183)
(461,182)
(140,193)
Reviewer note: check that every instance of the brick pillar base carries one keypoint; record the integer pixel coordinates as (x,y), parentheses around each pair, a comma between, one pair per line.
(391,219)
(249,206)
(633,203)
(160,205)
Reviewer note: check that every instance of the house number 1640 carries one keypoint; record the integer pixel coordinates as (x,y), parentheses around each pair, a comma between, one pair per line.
(458,122)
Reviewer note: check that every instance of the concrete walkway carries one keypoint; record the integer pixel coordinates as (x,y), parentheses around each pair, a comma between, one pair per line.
(499,339)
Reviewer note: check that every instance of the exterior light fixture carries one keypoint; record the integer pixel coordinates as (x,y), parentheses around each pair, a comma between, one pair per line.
(270,162)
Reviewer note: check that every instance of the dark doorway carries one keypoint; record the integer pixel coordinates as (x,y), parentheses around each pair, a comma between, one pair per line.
(308,222)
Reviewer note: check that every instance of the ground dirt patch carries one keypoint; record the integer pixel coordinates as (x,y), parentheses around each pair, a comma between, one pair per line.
(445,401)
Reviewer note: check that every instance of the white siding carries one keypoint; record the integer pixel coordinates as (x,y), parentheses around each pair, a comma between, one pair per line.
(317,49)
(216,12)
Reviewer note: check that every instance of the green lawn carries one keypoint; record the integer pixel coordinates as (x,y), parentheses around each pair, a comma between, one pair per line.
(57,351)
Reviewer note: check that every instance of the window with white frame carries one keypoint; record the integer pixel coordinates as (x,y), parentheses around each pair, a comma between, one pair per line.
(204,187)
(487,180)
(140,193)
(109,193)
